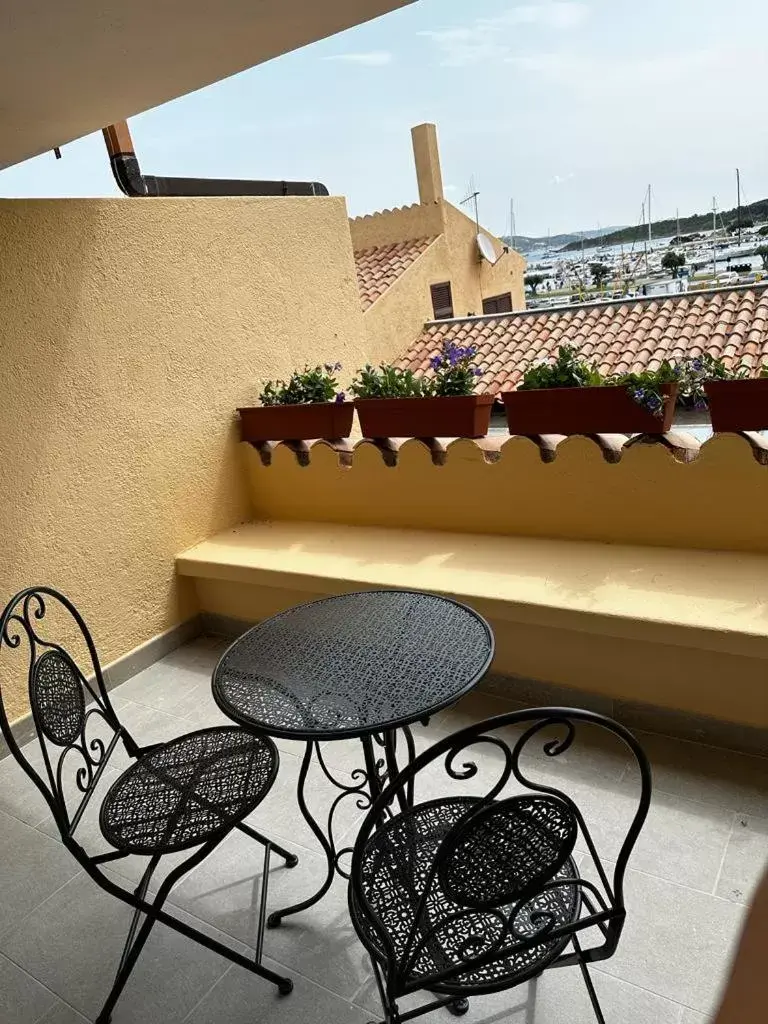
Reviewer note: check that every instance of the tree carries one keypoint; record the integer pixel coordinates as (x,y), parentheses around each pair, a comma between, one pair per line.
(600,273)
(762,252)
(534,280)
(672,261)
(763,232)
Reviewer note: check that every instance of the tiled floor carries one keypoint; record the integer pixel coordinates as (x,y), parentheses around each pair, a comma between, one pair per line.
(692,874)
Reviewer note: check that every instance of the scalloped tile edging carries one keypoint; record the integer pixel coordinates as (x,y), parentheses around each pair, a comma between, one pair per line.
(682,447)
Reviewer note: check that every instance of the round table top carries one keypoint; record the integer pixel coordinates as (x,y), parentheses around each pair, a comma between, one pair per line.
(353,665)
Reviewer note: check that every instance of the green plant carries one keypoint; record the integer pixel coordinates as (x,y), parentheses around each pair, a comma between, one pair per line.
(762,252)
(647,388)
(387,382)
(309,386)
(454,374)
(673,261)
(566,371)
(600,273)
(695,371)
(534,280)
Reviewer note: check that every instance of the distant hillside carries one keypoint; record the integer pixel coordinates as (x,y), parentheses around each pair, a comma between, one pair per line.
(755,213)
(527,243)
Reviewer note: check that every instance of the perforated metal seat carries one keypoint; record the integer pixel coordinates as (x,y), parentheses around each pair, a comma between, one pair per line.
(470,894)
(426,895)
(188,791)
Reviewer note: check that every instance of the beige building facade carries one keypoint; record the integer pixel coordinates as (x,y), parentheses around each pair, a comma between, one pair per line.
(448,267)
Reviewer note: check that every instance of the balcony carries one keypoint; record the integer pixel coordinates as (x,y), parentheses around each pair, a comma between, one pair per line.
(691,878)
(621,575)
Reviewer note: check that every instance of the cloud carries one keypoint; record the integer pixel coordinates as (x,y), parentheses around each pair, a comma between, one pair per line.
(372,59)
(560,179)
(487,39)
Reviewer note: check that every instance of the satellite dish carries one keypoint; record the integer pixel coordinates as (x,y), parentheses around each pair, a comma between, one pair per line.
(487,251)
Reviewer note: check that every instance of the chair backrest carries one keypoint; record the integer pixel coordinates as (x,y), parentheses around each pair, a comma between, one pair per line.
(490,865)
(76,728)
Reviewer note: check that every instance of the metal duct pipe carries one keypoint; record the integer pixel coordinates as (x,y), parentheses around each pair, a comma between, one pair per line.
(127,174)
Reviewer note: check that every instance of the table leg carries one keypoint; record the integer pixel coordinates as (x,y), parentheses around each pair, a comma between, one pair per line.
(368,786)
(404,797)
(276,917)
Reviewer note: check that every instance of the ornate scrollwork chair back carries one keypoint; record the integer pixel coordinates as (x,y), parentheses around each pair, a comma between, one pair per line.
(475,892)
(182,796)
(75,724)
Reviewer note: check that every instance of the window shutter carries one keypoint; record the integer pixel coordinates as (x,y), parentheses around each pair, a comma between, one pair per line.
(498,304)
(442,301)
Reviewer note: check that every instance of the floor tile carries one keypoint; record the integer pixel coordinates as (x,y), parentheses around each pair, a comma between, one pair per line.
(62,1014)
(556,997)
(735,781)
(22,999)
(147,726)
(32,867)
(693,1017)
(172,688)
(73,944)
(319,942)
(241,998)
(746,859)
(683,841)
(18,794)
(279,815)
(677,942)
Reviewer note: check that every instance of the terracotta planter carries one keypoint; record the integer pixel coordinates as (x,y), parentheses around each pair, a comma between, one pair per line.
(456,416)
(597,410)
(296,422)
(738,404)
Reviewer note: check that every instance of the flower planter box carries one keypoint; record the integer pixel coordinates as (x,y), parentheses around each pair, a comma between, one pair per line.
(296,422)
(738,404)
(593,410)
(455,416)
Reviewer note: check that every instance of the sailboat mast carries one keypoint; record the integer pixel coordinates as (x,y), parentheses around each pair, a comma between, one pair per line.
(738,203)
(512,226)
(714,236)
(677,218)
(650,229)
(645,242)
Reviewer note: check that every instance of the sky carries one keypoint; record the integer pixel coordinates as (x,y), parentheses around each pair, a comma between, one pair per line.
(570,108)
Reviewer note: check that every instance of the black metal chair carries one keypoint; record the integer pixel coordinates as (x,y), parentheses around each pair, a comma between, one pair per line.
(464,895)
(188,794)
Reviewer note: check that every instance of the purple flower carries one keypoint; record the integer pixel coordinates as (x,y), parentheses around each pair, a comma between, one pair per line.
(471,351)
(436,362)
(328,368)
(336,367)
(477,371)
(698,364)
(340,397)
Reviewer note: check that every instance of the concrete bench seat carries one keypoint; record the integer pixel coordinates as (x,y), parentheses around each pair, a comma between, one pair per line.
(677,629)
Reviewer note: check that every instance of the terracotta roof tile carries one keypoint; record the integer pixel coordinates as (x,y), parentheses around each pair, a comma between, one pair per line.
(636,335)
(379,267)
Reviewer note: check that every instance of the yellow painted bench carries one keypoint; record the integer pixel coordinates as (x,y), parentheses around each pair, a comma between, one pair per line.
(677,629)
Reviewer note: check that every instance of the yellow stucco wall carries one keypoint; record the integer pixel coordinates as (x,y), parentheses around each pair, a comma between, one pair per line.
(386,227)
(130,332)
(718,501)
(472,279)
(397,318)
(665,609)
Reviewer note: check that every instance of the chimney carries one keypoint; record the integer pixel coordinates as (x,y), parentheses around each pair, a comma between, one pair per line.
(427,158)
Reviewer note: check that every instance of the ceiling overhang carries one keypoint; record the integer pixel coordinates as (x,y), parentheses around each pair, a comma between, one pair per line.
(68,69)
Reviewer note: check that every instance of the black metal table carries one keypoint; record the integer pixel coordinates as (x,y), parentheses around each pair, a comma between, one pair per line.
(364,665)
